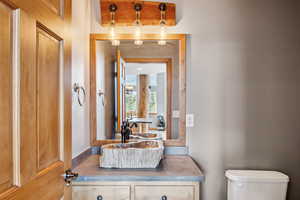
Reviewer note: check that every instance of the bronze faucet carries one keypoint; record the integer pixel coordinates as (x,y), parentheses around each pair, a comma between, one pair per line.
(126,130)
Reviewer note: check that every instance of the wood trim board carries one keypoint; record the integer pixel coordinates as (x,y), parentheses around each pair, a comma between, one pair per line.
(125,14)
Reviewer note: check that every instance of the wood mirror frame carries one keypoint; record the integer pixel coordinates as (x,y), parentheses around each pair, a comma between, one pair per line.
(181,140)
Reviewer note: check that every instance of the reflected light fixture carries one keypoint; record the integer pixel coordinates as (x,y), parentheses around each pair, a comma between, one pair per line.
(162,42)
(138,24)
(112,9)
(163,23)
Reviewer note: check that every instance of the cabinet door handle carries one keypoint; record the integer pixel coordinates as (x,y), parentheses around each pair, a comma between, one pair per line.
(164,197)
(99,197)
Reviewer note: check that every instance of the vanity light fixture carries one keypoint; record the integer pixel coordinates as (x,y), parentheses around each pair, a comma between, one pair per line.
(163,22)
(162,42)
(138,42)
(115,42)
(112,9)
(138,24)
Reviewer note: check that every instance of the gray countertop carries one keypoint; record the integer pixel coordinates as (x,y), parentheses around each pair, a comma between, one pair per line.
(171,168)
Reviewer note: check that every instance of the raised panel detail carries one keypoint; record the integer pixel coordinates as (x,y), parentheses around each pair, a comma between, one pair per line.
(28,137)
(54,5)
(5,97)
(48,64)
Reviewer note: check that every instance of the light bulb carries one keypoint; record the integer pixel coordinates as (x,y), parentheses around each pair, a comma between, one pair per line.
(138,24)
(162,32)
(138,42)
(113,36)
(115,42)
(112,9)
(138,34)
(162,40)
(112,32)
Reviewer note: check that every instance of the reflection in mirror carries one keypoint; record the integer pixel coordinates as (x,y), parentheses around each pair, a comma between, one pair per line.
(145,96)
(139,84)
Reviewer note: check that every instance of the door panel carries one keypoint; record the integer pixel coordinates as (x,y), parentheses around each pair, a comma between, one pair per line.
(55,6)
(6,178)
(48,57)
(28,137)
(47,185)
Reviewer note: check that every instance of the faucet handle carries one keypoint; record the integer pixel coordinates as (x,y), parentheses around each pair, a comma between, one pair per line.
(123,125)
(164,197)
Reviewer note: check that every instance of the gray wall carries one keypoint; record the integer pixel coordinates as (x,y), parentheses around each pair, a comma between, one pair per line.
(243,86)
(81,10)
(161,90)
(105,57)
(244,89)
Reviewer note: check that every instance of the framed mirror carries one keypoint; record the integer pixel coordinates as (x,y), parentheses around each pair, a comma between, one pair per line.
(142,83)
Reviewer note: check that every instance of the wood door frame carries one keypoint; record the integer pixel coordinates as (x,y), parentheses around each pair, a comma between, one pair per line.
(181,140)
(118,90)
(169,70)
(120,100)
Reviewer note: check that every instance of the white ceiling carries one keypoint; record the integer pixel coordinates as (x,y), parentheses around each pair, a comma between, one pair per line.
(144,68)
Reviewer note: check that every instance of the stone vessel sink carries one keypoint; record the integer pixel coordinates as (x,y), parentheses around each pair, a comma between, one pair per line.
(143,154)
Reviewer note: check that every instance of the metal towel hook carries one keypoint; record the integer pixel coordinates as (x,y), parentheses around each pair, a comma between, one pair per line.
(77,89)
(101,94)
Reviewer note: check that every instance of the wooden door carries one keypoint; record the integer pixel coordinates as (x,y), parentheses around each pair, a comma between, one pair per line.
(121,108)
(35,99)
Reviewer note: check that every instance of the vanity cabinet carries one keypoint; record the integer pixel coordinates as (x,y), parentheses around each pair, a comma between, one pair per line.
(177,178)
(155,190)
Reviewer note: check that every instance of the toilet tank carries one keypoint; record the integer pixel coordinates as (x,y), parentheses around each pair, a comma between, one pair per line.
(256,185)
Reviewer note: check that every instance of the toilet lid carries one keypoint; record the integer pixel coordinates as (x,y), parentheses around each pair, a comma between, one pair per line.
(256,176)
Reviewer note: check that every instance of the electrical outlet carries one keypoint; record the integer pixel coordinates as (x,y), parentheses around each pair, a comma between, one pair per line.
(176,114)
(190,120)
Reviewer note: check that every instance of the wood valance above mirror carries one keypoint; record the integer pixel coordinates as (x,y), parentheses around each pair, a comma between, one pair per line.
(107,95)
(125,13)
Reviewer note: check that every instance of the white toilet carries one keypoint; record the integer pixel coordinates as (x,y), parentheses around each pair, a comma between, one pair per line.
(256,185)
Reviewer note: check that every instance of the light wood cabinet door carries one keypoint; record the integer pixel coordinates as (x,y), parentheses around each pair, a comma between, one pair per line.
(164,193)
(101,193)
